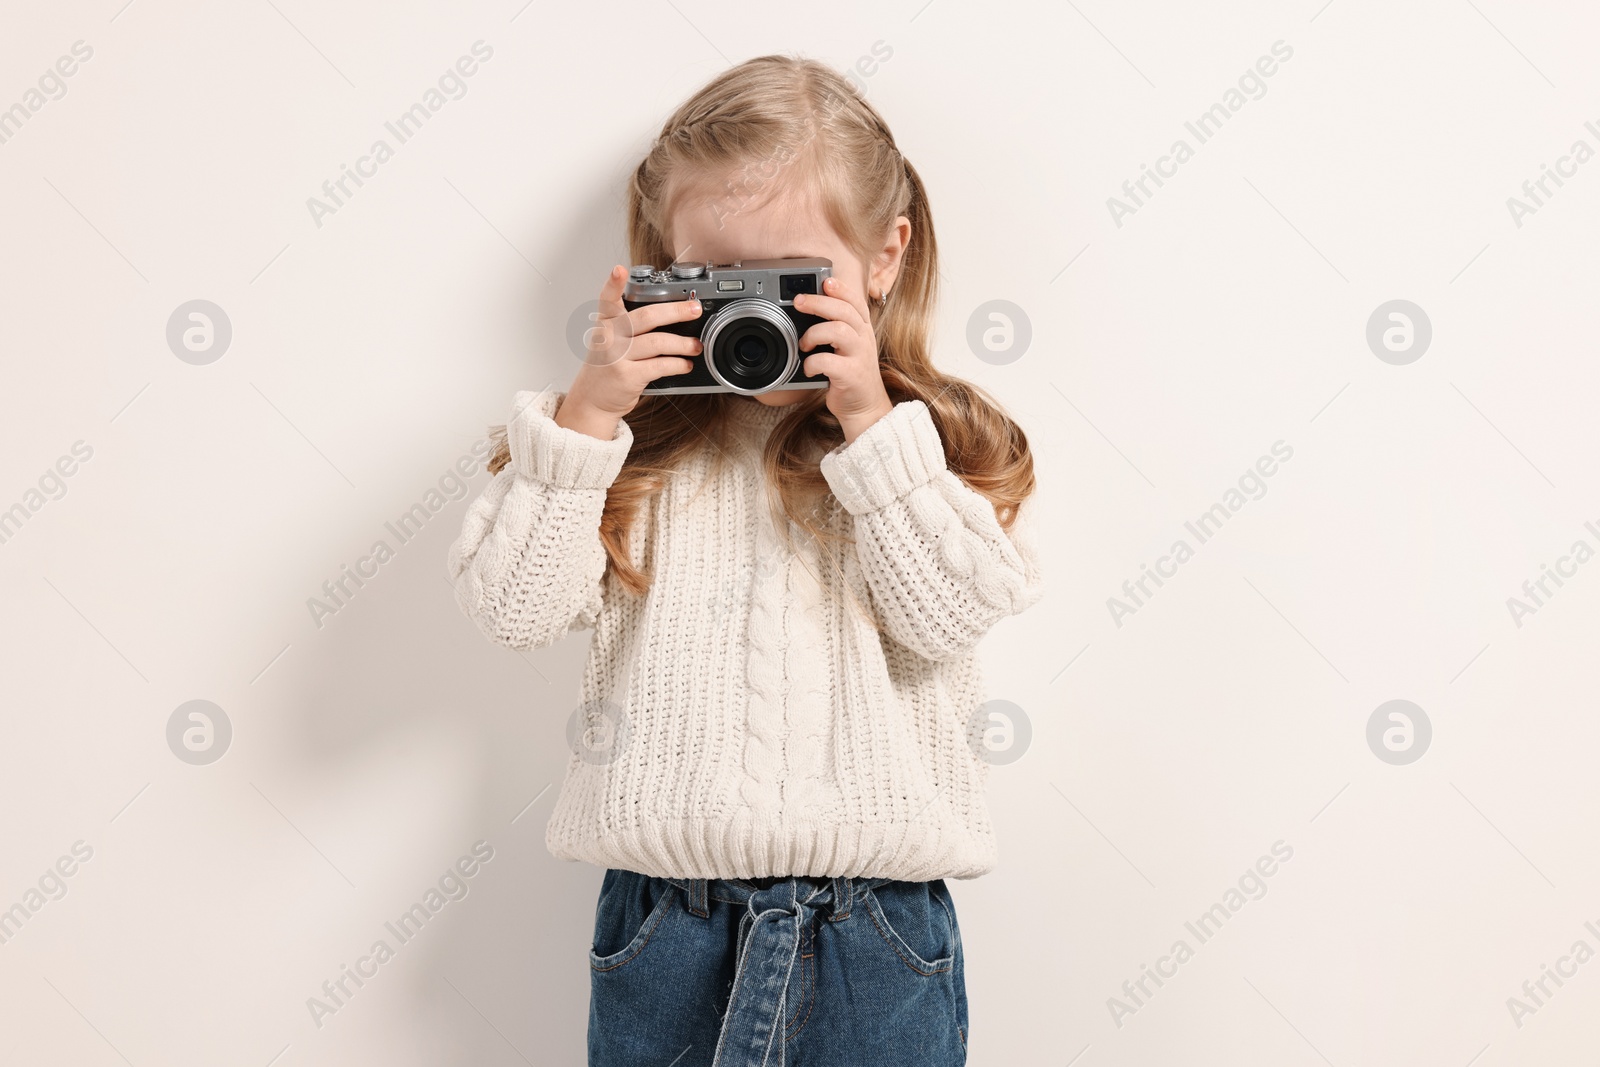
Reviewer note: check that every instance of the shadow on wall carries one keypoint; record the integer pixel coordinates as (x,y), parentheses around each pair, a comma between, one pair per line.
(416,727)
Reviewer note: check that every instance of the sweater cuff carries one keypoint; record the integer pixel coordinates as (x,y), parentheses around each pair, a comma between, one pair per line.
(558,455)
(896,454)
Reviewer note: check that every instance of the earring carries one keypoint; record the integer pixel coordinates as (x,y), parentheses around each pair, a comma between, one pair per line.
(882,299)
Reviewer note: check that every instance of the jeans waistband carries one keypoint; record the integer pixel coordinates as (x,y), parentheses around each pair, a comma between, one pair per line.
(843,891)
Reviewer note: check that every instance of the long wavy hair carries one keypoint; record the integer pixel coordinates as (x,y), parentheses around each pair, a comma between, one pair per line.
(753,131)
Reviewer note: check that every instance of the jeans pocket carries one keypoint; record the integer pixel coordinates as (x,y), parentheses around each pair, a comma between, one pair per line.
(629,913)
(917,921)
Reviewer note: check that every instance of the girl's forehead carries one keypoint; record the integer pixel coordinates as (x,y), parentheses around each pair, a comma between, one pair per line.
(720,224)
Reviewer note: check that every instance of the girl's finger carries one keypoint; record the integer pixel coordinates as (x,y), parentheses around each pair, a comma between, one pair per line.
(828,307)
(826,364)
(651,345)
(840,335)
(611,292)
(653,316)
(858,299)
(662,366)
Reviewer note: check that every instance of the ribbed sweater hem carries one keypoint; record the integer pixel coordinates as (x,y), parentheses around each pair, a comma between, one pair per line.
(743,847)
(558,455)
(898,453)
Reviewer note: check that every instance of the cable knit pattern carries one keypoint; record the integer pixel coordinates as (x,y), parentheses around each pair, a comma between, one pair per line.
(942,570)
(769,727)
(536,528)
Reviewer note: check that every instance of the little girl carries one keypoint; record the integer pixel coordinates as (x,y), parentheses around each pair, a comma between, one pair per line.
(786,591)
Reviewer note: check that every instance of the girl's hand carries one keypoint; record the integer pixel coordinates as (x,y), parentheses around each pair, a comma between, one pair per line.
(624,356)
(856,394)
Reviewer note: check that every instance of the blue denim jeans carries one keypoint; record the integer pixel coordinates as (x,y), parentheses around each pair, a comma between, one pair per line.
(775,972)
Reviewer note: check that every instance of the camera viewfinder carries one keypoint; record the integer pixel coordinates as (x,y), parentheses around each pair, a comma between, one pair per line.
(790,284)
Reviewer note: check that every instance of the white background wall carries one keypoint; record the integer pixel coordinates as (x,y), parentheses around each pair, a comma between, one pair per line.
(1167,354)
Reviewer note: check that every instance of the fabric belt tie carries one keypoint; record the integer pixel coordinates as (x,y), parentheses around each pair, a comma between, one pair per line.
(769,942)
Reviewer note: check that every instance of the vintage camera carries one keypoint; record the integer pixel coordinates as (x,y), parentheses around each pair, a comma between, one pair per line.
(748,326)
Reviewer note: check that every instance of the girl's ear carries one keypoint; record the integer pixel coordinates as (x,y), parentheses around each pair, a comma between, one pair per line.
(886,261)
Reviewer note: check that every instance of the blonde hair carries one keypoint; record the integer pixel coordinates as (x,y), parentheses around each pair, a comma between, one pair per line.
(781,112)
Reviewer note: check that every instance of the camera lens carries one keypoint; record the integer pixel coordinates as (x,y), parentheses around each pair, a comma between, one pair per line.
(752,346)
(751,353)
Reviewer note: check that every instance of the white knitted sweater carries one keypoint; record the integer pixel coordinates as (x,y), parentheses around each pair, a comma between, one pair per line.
(759,723)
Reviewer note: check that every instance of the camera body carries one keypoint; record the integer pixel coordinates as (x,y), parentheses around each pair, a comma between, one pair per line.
(748,324)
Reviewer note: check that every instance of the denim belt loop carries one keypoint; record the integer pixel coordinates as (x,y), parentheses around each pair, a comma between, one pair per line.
(697,903)
(842,899)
